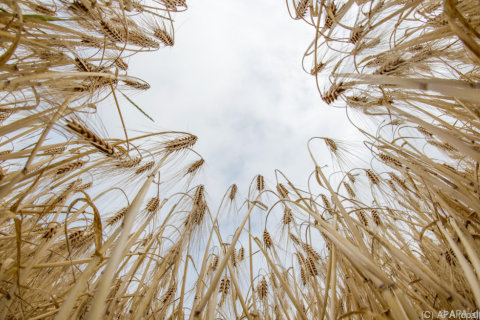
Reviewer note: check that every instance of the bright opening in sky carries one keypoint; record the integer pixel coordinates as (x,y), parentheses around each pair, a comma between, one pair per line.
(234,78)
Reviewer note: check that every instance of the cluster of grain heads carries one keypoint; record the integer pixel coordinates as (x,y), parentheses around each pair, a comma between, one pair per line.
(86,223)
(408,220)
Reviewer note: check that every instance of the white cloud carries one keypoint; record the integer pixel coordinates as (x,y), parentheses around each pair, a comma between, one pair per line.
(234,79)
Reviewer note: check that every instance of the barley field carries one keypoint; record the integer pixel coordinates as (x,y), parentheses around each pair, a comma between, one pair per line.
(98,227)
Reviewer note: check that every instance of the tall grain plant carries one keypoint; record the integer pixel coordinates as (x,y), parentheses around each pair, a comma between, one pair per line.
(93,227)
(85,220)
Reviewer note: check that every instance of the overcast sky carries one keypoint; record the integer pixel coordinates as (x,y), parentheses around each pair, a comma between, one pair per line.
(234,79)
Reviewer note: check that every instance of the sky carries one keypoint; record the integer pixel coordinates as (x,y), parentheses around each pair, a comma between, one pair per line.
(234,78)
